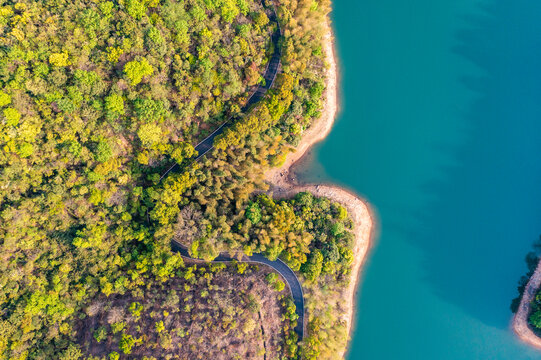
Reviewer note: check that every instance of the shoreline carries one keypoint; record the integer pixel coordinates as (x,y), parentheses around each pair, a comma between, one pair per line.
(281,185)
(520,320)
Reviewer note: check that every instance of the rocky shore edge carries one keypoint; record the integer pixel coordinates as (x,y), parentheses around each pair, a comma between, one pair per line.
(283,185)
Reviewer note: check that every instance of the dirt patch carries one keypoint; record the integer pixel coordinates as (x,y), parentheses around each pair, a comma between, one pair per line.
(206,313)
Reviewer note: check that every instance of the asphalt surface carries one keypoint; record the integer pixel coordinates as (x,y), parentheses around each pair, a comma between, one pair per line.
(278,265)
(270,75)
(207,144)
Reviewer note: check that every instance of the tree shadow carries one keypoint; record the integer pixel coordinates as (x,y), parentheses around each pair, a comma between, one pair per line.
(492,194)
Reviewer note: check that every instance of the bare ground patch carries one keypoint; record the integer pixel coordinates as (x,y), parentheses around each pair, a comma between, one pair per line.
(208,313)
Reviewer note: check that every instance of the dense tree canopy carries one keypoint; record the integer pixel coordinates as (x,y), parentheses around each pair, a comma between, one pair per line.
(97,100)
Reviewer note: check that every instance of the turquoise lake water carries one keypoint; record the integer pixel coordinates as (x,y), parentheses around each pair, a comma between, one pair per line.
(440,130)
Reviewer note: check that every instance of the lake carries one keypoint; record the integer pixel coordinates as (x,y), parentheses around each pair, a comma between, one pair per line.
(440,130)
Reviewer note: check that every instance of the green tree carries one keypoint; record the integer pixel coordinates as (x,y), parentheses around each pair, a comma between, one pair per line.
(159,326)
(150,110)
(114,106)
(312,268)
(100,334)
(337,228)
(136,309)
(136,8)
(279,285)
(59,59)
(12,116)
(137,69)
(229,10)
(126,343)
(71,353)
(149,134)
(535,319)
(253,212)
(103,151)
(5,99)
(155,41)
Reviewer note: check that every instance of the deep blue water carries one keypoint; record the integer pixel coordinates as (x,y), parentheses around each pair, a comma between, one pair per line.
(440,130)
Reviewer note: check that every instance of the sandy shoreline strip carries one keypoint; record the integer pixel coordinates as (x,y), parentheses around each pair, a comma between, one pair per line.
(359,211)
(520,321)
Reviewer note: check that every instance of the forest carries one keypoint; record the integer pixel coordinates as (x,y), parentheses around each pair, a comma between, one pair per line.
(218,311)
(98,99)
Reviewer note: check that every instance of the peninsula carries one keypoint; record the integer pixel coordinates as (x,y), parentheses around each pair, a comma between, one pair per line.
(283,185)
(525,319)
(146,201)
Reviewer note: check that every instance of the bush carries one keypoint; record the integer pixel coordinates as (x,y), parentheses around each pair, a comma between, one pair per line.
(126,343)
(135,309)
(100,334)
(279,285)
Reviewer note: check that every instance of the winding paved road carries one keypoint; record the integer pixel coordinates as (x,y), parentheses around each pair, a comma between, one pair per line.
(278,265)
(273,66)
(207,144)
(270,75)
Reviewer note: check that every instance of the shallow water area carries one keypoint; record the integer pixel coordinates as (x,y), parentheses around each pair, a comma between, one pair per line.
(440,130)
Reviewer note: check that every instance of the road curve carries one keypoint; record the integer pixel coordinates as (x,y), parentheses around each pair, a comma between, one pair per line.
(273,66)
(269,76)
(207,144)
(278,265)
